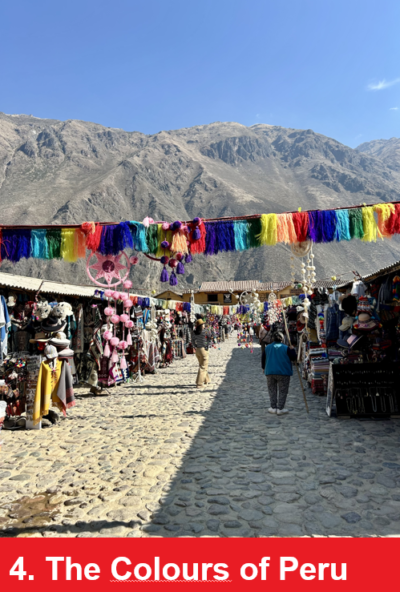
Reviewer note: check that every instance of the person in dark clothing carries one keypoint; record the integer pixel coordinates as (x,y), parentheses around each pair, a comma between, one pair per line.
(278,370)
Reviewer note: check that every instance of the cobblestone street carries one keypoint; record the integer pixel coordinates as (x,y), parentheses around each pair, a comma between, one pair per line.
(166,459)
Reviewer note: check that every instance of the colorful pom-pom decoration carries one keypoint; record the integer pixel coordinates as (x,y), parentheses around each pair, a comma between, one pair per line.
(173,263)
(115,319)
(116,295)
(197,221)
(134,260)
(107,335)
(129,324)
(165,244)
(108,293)
(128,285)
(124,296)
(114,341)
(179,256)
(164,259)
(109,311)
(165,225)
(128,303)
(196,234)
(124,318)
(176,225)
(164,275)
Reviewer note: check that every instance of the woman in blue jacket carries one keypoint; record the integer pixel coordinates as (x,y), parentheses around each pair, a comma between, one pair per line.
(278,370)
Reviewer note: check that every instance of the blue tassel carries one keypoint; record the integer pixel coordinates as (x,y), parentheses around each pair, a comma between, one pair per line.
(122,238)
(180,268)
(241,231)
(226,235)
(15,244)
(173,280)
(106,246)
(39,244)
(188,258)
(138,231)
(164,275)
(329,224)
(343,226)
(315,226)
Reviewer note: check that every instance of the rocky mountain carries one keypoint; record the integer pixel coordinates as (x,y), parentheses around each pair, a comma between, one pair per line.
(69,172)
(386,150)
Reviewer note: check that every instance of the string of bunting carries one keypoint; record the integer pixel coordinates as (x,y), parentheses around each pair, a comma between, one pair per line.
(176,242)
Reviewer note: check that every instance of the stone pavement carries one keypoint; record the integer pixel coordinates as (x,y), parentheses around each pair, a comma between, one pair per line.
(165,459)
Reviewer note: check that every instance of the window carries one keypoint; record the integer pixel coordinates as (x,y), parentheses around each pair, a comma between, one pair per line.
(227,298)
(212,297)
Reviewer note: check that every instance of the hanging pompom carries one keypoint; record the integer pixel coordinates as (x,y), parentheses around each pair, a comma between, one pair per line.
(109,311)
(108,293)
(197,221)
(129,324)
(123,363)
(124,318)
(179,256)
(188,258)
(122,345)
(127,285)
(128,303)
(173,279)
(124,296)
(164,260)
(176,225)
(107,351)
(107,335)
(196,235)
(173,263)
(165,244)
(164,275)
(165,225)
(115,319)
(180,268)
(134,260)
(114,341)
(116,295)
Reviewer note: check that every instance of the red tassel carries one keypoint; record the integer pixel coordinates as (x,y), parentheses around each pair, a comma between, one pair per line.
(393,224)
(300,222)
(93,239)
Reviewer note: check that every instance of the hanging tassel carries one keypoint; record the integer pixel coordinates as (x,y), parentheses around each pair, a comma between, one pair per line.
(93,235)
(173,280)
(394,220)
(67,251)
(286,232)
(300,223)
(329,224)
(315,226)
(254,232)
(225,234)
(241,231)
(122,238)
(196,234)
(211,239)
(151,238)
(268,234)
(38,244)
(384,212)
(188,258)
(107,351)
(80,244)
(179,242)
(180,269)
(123,365)
(139,236)
(343,225)
(197,245)
(106,246)
(129,338)
(369,225)
(53,239)
(114,357)
(164,275)
(15,245)
(356,223)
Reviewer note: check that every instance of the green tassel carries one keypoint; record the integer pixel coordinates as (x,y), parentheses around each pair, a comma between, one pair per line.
(356,223)
(253,236)
(152,238)
(53,239)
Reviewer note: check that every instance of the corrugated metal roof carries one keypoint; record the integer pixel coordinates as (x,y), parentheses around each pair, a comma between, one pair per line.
(226,286)
(383,271)
(33,284)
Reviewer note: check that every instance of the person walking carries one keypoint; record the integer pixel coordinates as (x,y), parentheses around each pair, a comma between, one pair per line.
(278,370)
(199,340)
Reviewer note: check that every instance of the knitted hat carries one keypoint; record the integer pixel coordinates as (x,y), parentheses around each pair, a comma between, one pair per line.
(363,305)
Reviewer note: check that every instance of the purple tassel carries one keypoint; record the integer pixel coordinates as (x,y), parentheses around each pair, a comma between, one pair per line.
(226,235)
(188,258)
(196,233)
(180,269)
(15,244)
(122,238)
(315,226)
(211,238)
(329,225)
(106,246)
(164,275)
(173,280)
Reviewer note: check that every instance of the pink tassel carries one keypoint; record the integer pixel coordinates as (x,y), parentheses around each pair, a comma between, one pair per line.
(123,363)
(129,338)
(114,358)
(107,351)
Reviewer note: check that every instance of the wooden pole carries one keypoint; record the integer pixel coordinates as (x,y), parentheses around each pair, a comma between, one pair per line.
(297,367)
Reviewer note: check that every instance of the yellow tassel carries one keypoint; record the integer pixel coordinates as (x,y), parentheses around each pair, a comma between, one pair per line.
(269,229)
(179,242)
(369,224)
(384,212)
(161,236)
(68,250)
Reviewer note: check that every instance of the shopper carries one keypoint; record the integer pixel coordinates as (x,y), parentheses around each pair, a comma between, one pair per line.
(264,338)
(199,340)
(278,370)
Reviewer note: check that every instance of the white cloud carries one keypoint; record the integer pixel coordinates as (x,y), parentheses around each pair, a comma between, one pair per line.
(382,84)
(393,109)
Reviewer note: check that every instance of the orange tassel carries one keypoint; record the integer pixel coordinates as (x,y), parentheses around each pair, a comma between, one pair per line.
(179,242)
(286,230)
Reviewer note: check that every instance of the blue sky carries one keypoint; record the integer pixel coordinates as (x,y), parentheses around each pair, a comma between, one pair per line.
(329,65)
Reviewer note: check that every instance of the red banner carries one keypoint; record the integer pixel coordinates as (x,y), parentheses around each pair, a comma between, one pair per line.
(256,564)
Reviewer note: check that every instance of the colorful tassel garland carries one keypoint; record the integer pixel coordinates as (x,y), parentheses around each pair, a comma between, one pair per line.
(38,244)
(198,245)
(300,223)
(254,232)
(179,242)
(241,231)
(343,225)
(384,212)
(180,269)
(173,280)
(369,225)
(68,245)
(164,275)
(139,236)
(268,234)
(356,223)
